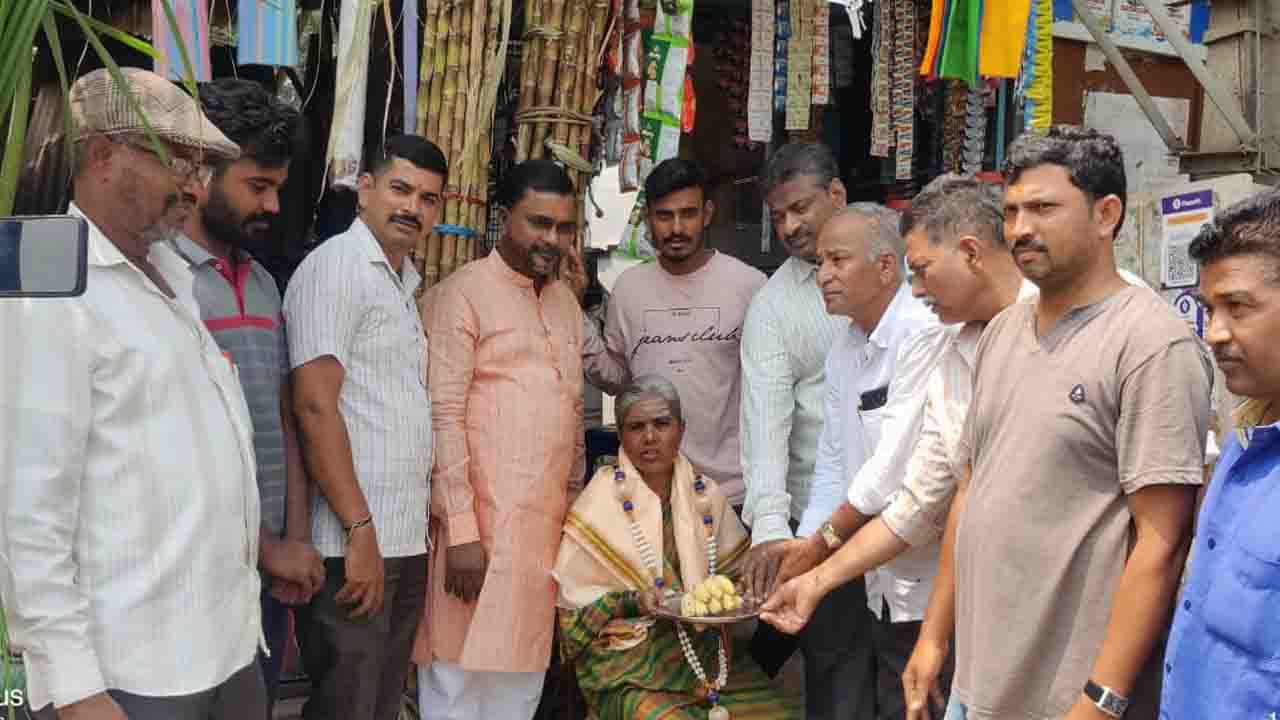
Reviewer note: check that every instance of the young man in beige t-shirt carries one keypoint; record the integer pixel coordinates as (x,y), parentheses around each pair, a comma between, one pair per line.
(1085,443)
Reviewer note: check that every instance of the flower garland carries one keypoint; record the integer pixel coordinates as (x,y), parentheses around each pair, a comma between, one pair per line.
(624,487)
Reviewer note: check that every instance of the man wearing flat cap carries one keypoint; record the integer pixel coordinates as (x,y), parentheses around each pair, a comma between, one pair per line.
(128,501)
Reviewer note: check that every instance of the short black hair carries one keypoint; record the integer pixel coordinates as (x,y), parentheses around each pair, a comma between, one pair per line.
(794,160)
(952,205)
(532,176)
(1249,227)
(673,175)
(1093,161)
(265,128)
(416,149)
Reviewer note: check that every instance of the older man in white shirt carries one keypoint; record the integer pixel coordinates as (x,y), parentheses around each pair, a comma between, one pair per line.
(129,503)
(875,392)
(962,269)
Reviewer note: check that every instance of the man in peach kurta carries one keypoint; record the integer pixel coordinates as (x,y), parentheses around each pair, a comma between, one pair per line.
(506,394)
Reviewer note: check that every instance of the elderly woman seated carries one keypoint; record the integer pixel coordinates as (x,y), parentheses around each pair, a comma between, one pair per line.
(649,525)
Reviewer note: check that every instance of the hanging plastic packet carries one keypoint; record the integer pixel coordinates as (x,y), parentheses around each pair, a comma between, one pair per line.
(665,65)
(674,19)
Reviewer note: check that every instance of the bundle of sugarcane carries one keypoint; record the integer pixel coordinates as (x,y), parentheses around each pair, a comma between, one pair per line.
(531,52)
(431,44)
(496,33)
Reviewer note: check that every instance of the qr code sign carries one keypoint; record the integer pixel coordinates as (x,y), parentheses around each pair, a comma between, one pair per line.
(1180,269)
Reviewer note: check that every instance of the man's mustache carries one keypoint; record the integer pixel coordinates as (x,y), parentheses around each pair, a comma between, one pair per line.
(1021,245)
(407,220)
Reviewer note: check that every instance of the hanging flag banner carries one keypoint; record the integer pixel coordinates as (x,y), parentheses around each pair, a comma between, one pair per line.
(193,29)
(267,33)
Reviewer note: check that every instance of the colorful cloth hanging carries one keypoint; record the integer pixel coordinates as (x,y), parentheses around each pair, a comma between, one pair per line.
(960,41)
(346,138)
(937,18)
(1004,32)
(267,33)
(193,33)
(1035,84)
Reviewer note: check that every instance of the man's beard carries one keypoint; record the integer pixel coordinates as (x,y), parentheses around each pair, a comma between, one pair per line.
(224,225)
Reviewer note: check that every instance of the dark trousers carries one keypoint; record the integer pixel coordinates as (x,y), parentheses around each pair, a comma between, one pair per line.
(240,697)
(839,665)
(357,666)
(894,643)
(275,628)
(839,658)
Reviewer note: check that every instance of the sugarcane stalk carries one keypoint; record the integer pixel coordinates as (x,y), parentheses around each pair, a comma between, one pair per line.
(439,68)
(568,82)
(582,136)
(431,273)
(529,57)
(430,43)
(474,135)
(548,63)
(458,109)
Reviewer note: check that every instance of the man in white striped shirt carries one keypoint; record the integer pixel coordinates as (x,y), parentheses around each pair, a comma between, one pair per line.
(360,393)
(786,338)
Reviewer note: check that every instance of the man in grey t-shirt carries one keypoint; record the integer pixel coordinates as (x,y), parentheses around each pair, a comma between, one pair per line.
(235,214)
(1085,446)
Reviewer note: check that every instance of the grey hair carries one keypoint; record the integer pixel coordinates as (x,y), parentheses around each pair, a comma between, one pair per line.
(808,159)
(883,237)
(954,205)
(651,385)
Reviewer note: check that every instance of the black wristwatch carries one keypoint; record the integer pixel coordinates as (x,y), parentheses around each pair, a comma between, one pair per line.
(1107,700)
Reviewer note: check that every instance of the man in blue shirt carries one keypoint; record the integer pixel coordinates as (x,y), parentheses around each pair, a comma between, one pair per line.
(1224,650)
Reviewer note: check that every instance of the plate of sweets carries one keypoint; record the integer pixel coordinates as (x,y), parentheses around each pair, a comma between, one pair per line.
(714,601)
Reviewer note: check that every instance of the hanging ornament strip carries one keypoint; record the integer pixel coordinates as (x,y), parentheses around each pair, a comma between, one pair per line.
(800,65)
(760,89)
(904,82)
(1038,115)
(781,38)
(975,130)
(821,52)
(881,48)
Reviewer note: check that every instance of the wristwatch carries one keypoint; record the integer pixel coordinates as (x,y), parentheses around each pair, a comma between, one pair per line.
(830,536)
(1107,700)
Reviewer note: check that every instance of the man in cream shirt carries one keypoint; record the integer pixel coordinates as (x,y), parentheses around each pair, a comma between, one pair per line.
(128,502)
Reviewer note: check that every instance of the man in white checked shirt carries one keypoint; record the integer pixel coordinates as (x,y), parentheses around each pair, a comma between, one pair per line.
(786,338)
(360,393)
